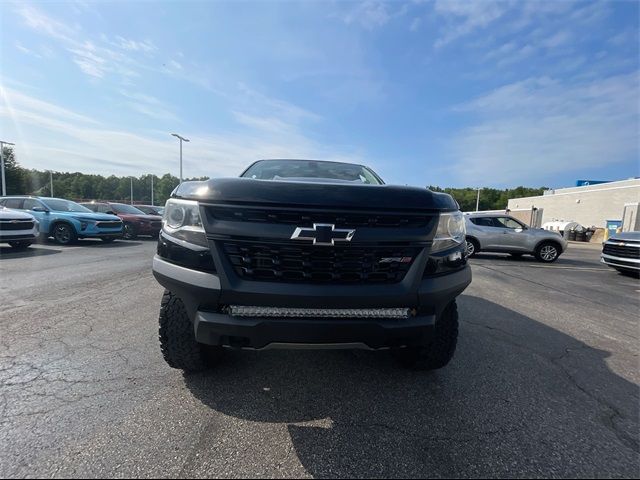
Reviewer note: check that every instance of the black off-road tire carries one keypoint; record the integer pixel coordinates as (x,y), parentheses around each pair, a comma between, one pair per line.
(20,244)
(177,339)
(440,349)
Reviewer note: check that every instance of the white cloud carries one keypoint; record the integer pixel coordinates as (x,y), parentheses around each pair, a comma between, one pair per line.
(48,136)
(146,46)
(540,127)
(464,17)
(369,14)
(149,106)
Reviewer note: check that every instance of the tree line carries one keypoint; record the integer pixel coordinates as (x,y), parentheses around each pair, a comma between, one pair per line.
(82,186)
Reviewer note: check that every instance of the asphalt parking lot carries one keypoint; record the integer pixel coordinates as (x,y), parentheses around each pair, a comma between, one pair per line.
(544,382)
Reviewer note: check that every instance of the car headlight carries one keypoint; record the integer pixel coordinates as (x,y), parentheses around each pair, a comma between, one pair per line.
(181,220)
(450,232)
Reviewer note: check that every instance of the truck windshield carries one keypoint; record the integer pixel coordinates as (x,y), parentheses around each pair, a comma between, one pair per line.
(310,170)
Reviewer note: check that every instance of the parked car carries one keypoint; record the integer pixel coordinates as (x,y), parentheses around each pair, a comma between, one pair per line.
(66,221)
(18,229)
(136,222)
(622,252)
(151,209)
(490,232)
(304,253)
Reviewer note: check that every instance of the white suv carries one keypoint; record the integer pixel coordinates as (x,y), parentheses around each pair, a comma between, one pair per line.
(490,232)
(18,229)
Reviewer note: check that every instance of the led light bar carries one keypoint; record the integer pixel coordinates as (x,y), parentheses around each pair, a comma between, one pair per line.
(245,311)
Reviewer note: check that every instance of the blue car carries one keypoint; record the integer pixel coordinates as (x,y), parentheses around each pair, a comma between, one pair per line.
(66,221)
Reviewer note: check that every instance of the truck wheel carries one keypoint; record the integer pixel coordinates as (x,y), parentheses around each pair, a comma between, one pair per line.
(547,252)
(177,340)
(64,234)
(441,347)
(20,245)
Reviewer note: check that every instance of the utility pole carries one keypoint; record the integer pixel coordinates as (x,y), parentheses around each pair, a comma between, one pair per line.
(478,199)
(4,181)
(152,190)
(182,139)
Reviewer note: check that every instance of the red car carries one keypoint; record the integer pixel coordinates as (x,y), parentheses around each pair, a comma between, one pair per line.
(136,222)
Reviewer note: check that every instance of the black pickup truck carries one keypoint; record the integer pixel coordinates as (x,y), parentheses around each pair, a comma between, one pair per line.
(309,254)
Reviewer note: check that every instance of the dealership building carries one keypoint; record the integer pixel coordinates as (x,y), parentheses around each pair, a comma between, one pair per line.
(591,205)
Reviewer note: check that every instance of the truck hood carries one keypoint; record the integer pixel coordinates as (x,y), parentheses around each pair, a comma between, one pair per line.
(248,191)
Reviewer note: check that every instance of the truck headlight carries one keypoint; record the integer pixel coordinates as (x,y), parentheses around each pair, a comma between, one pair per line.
(181,220)
(450,232)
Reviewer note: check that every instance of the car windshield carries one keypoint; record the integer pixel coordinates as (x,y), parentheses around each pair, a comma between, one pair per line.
(59,205)
(124,208)
(310,169)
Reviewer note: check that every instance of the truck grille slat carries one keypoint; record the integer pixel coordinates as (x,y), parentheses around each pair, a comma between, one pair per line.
(621,251)
(303,218)
(280,262)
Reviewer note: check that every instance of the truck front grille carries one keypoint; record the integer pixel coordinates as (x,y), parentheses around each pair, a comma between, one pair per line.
(352,264)
(306,218)
(14,225)
(622,251)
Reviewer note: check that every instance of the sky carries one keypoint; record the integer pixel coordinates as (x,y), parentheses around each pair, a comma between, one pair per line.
(448,93)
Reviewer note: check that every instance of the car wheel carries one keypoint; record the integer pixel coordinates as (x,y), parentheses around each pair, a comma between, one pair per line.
(471,247)
(64,234)
(129,232)
(177,339)
(20,245)
(440,348)
(547,252)
(108,239)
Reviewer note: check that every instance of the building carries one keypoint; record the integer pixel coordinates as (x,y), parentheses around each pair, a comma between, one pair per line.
(589,205)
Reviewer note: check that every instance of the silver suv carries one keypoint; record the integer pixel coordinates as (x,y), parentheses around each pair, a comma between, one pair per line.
(490,232)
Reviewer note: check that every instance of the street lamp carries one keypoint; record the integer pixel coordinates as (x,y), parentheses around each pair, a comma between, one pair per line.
(51,183)
(4,181)
(182,139)
(131,190)
(152,190)
(478,199)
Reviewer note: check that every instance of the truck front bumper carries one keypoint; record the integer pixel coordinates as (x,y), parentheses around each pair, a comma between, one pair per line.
(203,296)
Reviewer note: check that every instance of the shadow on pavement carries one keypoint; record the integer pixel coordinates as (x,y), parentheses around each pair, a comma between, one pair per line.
(518,399)
(530,260)
(97,243)
(32,251)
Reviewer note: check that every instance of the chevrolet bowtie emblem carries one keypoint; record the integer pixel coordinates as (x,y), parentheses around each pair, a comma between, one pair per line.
(323,234)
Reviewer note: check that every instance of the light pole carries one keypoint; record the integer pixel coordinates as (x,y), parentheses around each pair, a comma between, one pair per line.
(478,199)
(51,183)
(4,181)
(131,190)
(152,190)
(182,139)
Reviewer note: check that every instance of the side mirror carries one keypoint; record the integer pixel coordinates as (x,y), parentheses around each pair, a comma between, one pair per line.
(40,209)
